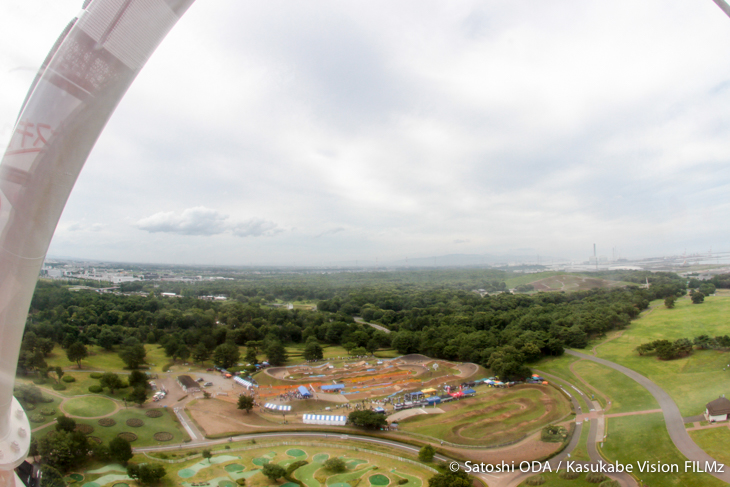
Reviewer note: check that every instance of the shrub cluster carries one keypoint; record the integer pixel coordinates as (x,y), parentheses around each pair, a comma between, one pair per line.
(95,389)
(86,429)
(130,437)
(107,422)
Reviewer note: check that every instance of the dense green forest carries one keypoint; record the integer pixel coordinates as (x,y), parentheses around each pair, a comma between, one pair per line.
(437,313)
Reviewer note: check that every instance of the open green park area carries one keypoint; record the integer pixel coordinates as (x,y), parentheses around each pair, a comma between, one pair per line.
(625,394)
(142,428)
(89,406)
(493,417)
(644,437)
(103,360)
(714,441)
(692,381)
(365,467)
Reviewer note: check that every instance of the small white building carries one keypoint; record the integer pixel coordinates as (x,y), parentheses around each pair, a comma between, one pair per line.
(718,410)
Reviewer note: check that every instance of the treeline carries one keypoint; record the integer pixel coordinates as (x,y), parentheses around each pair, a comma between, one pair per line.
(682,347)
(440,317)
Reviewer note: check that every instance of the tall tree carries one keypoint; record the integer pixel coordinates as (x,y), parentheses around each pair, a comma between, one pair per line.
(120,450)
(77,352)
(276,353)
(201,353)
(133,355)
(111,381)
(245,403)
(226,355)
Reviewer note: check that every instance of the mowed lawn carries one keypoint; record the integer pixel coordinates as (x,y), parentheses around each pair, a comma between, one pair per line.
(560,367)
(145,433)
(102,360)
(714,441)
(493,417)
(644,437)
(691,381)
(625,394)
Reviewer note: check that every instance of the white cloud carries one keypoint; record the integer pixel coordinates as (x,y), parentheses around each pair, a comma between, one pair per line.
(202,221)
(402,129)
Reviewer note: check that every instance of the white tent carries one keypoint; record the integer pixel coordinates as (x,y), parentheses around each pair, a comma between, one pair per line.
(277,407)
(325,419)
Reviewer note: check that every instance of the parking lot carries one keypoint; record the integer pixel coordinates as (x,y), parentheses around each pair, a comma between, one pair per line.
(220,386)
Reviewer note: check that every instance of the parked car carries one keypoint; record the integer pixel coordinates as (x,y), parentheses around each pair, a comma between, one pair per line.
(208,384)
(210,370)
(199,380)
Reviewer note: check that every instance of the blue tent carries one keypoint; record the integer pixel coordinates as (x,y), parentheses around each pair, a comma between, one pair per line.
(469,391)
(333,387)
(433,400)
(304,392)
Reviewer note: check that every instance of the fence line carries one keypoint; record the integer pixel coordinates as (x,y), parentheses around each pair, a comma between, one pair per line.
(299,443)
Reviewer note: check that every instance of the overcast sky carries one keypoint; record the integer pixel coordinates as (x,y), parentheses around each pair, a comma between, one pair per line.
(331,131)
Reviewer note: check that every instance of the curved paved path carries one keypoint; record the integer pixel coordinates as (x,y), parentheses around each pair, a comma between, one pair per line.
(672,417)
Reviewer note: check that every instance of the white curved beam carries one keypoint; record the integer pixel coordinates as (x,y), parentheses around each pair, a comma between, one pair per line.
(75,92)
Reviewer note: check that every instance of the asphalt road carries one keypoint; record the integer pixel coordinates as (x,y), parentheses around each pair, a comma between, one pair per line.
(672,417)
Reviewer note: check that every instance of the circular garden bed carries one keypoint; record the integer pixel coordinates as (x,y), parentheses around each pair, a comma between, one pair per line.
(48,411)
(379,479)
(86,429)
(107,422)
(127,435)
(37,418)
(134,422)
(162,436)
(153,413)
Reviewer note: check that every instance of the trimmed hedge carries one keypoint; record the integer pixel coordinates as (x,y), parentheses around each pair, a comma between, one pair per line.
(96,375)
(535,480)
(595,477)
(37,418)
(95,389)
(569,475)
(69,378)
(48,411)
(59,387)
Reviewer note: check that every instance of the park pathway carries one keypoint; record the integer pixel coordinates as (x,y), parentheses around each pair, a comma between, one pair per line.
(374,325)
(672,417)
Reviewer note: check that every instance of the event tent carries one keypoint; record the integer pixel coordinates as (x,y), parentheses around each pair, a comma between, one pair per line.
(325,419)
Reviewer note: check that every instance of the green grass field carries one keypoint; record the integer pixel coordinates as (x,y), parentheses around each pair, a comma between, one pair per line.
(714,441)
(145,433)
(625,394)
(100,359)
(493,417)
(365,467)
(628,441)
(89,406)
(692,381)
(560,367)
